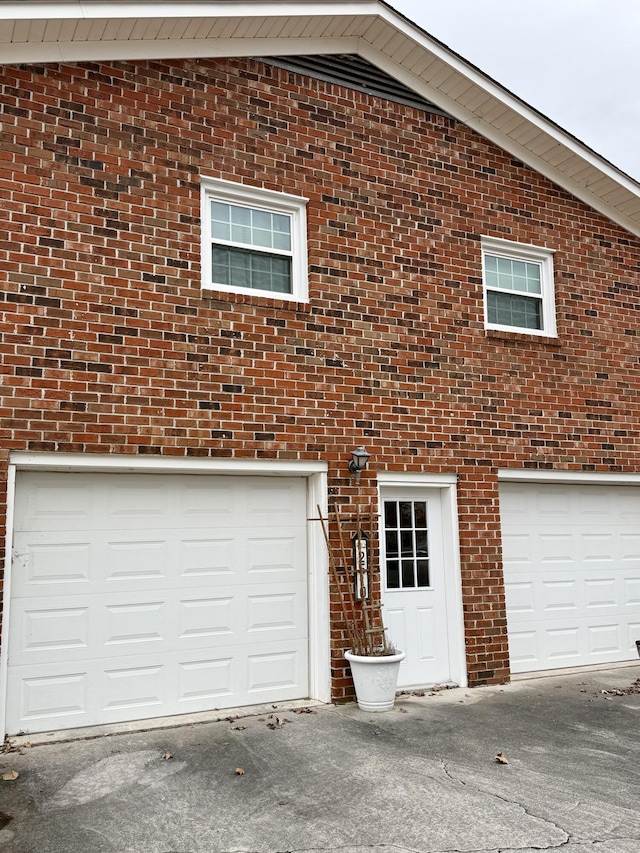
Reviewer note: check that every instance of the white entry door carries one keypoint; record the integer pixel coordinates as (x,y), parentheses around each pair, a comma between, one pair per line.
(413,584)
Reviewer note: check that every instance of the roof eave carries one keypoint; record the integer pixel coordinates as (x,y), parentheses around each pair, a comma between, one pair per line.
(76,31)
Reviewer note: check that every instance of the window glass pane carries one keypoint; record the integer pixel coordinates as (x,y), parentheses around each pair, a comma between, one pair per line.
(220,218)
(420,510)
(250,226)
(262,219)
(280,275)
(281,241)
(391,543)
(281,232)
(423,572)
(241,233)
(281,223)
(239,268)
(240,215)
(393,574)
(518,311)
(505,282)
(220,266)
(220,212)
(261,264)
(390,514)
(408,579)
(261,237)
(534,284)
(422,545)
(406,543)
(406,516)
(508,274)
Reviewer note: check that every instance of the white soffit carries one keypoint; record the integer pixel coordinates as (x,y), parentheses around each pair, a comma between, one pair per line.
(75,31)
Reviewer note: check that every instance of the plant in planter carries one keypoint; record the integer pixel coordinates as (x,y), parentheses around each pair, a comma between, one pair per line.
(355,577)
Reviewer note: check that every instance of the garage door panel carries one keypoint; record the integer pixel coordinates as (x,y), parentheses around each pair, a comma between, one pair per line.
(522,597)
(99,626)
(61,694)
(632,634)
(66,564)
(604,639)
(602,593)
(572,581)
(206,681)
(47,503)
(204,620)
(135,558)
(271,612)
(277,556)
(50,564)
(213,556)
(275,671)
(560,595)
(46,632)
(172,594)
(140,687)
(268,504)
(562,644)
(632,592)
(135,689)
(132,502)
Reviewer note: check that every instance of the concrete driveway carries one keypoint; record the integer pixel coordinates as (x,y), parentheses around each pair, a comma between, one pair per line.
(422,777)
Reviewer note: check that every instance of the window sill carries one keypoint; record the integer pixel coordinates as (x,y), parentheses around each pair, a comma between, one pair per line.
(523,338)
(221,298)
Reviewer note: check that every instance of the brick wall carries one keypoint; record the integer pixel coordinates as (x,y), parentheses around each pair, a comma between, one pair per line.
(108,343)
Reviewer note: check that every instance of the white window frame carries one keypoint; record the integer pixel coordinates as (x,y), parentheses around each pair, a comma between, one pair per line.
(529,254)
(229,192)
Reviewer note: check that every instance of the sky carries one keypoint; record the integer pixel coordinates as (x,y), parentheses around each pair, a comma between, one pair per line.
(576,61)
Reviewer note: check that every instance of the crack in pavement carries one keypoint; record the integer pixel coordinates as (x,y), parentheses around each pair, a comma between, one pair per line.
(568,839)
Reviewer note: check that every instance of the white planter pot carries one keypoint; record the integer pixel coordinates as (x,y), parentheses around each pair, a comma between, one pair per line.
(375,679)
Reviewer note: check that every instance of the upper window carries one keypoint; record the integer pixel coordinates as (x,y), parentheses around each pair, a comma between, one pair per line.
(253,240)
(518,287)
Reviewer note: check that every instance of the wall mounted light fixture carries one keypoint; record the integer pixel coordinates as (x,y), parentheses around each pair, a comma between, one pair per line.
(358,463)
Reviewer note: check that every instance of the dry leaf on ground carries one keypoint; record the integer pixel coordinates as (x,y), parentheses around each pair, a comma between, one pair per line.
(501,758)
(10,776)
(239,771)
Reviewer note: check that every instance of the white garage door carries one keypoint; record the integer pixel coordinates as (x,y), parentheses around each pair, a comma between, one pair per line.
(572,574)
(141,595)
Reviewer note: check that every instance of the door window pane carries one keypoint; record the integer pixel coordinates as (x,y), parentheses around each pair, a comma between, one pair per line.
(406,538)
(408,576)
(393,574)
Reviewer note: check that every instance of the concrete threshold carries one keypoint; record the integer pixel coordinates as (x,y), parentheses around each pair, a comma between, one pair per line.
(574,670)
(158,723)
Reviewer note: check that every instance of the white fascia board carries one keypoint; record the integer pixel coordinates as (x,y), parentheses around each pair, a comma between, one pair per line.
(486,84)
(88,51)
(25,10)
